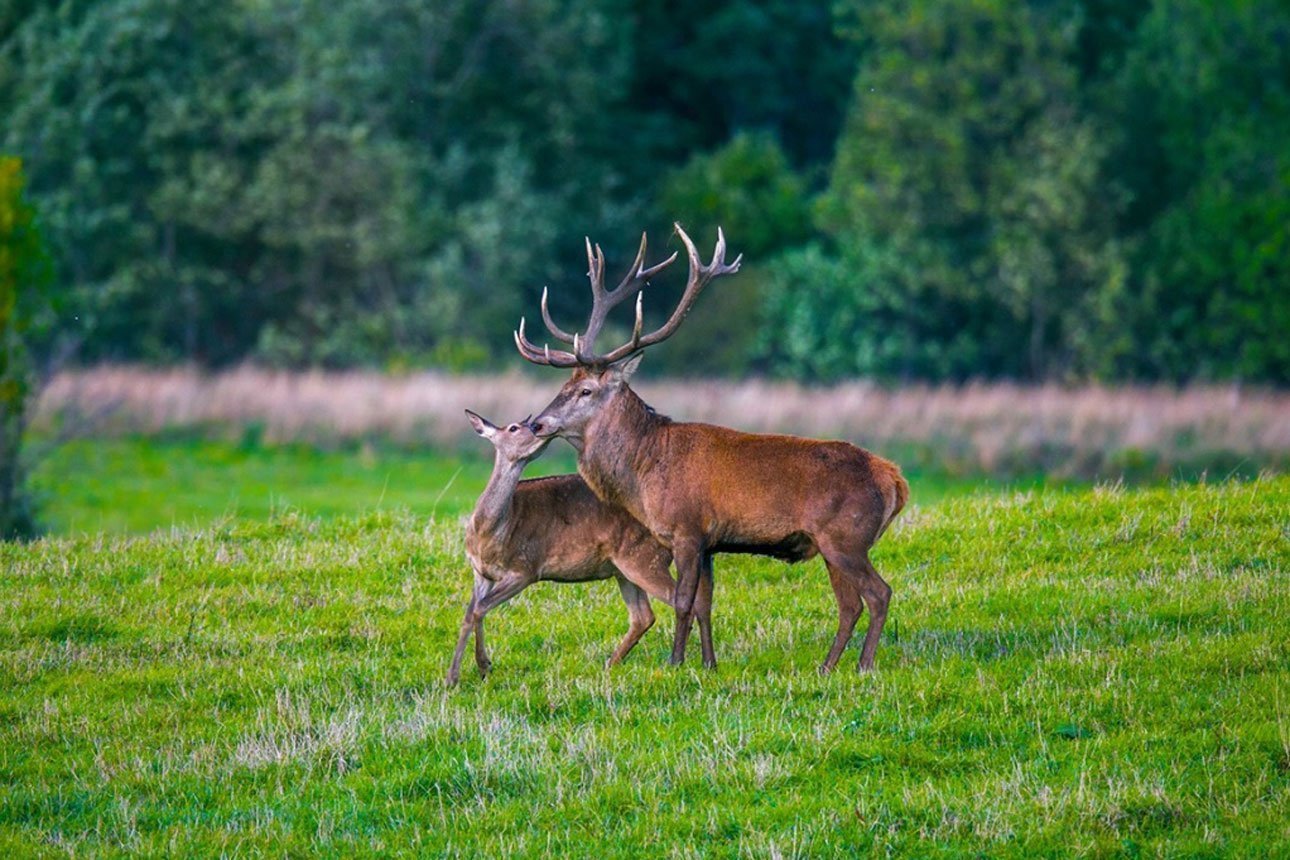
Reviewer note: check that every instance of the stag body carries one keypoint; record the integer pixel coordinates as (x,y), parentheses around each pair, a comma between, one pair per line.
(702,489)
(522,532)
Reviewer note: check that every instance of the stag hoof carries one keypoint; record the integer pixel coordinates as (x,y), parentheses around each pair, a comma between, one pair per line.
(485,667)
(826,669)
(709,664)
(451,680)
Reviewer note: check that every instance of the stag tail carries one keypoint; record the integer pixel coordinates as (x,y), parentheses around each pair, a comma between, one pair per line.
(895,491)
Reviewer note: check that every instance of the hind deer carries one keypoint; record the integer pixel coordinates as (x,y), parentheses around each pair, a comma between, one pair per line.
(702,489)
(522,532)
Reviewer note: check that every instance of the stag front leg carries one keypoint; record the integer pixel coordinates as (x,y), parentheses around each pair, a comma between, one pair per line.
(688,557)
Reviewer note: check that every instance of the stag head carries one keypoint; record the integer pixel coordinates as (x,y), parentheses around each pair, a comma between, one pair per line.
(598,376)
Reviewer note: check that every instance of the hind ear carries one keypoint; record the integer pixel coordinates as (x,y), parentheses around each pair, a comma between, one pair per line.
(482,425)
(621,372)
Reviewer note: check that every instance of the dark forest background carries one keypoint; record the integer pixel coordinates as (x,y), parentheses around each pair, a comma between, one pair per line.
(936,190)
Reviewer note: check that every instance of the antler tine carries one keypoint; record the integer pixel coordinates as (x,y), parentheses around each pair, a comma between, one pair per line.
(546,356)
(640,319)
(604,300)
(646,274)
(595,269)
(700,276)
(637,265)
(637,276)
(556,332)
(719,255)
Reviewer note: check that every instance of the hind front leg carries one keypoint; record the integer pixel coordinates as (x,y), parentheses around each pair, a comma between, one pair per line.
(486,597)
(463,636)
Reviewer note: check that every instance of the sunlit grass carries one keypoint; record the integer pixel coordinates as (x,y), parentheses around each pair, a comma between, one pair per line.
(1096,672)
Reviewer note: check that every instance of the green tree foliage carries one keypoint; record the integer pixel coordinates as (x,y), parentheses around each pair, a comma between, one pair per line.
(965,197)
(703,70)
(935,189)
(1203,99)
(748,188)
(310,182)
(25,304)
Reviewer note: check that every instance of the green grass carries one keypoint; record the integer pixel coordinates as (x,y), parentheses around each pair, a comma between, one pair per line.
(1092,673)
(137,485)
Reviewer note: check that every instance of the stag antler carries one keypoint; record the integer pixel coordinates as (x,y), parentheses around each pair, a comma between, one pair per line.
(603,301)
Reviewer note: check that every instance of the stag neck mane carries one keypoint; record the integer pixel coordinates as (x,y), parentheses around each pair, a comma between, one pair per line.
(624,443)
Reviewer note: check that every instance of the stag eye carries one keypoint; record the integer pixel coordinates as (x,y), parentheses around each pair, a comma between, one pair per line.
(586,392)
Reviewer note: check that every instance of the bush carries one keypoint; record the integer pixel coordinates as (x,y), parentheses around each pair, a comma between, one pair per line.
(24,282)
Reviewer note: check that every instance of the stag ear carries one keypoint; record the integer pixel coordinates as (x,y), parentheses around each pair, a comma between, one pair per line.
(620,372)
(482,425)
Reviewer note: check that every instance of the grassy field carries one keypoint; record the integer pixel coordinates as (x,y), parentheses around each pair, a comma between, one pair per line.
(140,484)
(1095,672)
(137,484)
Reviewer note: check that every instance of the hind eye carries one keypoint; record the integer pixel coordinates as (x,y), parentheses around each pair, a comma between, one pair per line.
(584,392)
(513,428)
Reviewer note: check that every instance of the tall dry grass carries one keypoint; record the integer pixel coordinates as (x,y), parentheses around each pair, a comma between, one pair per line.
(995,428)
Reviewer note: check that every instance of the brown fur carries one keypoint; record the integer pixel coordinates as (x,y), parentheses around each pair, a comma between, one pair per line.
(703,489)
(556,529)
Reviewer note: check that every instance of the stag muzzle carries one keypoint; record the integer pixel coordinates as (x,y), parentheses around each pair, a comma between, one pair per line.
(545,427)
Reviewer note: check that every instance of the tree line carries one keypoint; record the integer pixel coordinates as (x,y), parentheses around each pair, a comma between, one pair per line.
(930,189)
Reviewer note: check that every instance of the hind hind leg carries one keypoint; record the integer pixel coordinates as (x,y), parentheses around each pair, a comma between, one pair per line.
(641,619)
(646,564)
(854,580)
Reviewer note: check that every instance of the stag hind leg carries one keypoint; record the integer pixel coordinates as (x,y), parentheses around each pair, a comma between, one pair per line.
(703,612)
(854,580)
(850,607)
(877,595)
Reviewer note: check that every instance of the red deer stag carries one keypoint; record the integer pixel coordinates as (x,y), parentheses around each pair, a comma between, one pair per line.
(555,529)
(702,489)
